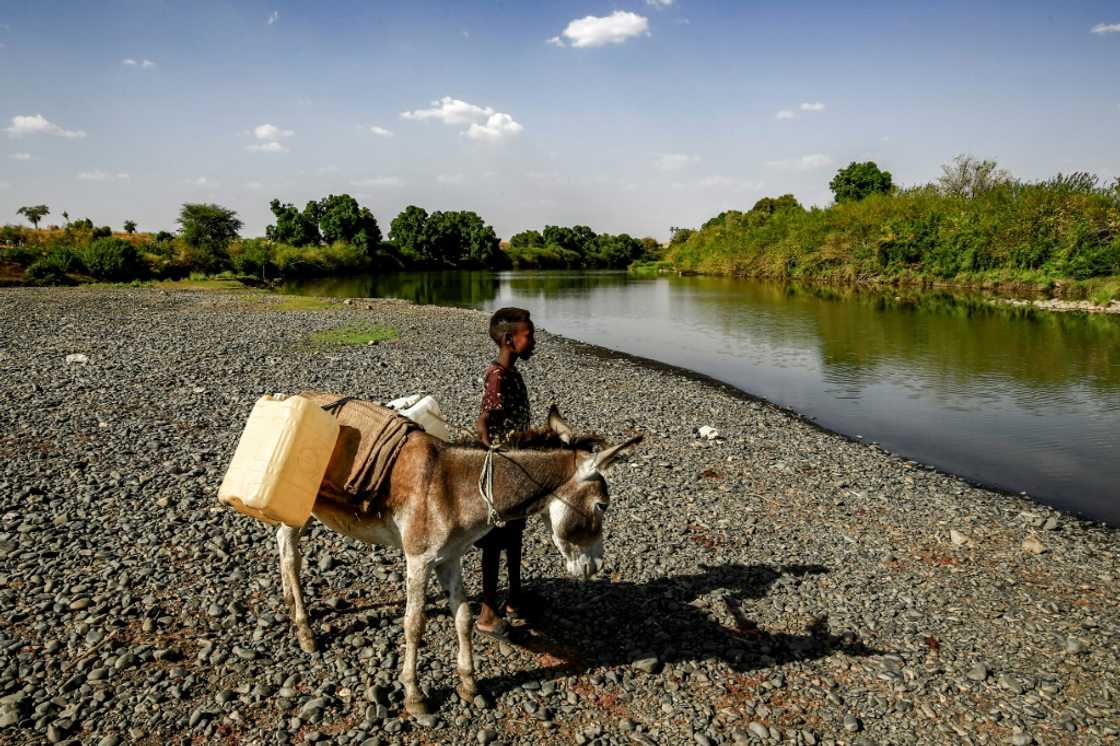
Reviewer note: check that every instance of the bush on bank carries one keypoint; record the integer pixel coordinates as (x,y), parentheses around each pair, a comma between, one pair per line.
(1067,227)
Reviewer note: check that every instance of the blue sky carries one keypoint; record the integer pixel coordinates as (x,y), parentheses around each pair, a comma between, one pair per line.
(627,116)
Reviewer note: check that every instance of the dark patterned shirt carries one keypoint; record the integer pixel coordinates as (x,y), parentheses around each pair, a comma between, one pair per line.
(505,398)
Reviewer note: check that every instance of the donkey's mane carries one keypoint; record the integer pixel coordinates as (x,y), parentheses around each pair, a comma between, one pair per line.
(544,439)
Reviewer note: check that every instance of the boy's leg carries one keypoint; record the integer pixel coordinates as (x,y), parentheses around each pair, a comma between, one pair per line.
(488,615)
(515,602)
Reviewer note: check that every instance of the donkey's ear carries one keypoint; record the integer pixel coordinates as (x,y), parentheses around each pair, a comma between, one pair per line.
(558,425)
(603,459)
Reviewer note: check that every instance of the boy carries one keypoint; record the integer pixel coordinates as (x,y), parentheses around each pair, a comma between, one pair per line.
(505,410)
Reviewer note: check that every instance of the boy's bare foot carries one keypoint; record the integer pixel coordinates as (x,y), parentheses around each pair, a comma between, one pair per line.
(500,630)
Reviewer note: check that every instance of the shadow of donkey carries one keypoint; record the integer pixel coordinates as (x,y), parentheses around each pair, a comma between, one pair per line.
(586,625)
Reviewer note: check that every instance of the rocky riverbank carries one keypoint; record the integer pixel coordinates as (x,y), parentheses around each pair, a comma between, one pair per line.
(774,584)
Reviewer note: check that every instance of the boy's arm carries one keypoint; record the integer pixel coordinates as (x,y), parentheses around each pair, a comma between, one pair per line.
(491,400)
(483,427)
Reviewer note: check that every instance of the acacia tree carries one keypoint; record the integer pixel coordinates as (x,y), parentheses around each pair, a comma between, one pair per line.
(407,230)
(526,239)
(207,230)
(34,213)
(294,227)
(130,227)
(967,176)
(859,180)
(342,219)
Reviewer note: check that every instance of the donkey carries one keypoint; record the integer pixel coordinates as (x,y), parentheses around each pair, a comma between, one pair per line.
(432,508)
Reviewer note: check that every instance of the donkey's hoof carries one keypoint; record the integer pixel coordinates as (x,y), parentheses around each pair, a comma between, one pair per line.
(306,641)
(467,693)
(417,707)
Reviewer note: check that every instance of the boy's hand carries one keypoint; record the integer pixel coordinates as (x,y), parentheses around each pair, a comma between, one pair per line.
(482,426)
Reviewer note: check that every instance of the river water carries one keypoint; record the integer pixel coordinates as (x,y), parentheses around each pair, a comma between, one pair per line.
(1015,398)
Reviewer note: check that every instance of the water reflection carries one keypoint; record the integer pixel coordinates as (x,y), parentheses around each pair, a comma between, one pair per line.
(1014,397)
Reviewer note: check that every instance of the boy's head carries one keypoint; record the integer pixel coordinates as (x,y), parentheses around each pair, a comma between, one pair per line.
(511,328)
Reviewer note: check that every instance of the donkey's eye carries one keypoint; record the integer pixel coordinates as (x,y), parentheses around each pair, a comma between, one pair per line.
(602,506)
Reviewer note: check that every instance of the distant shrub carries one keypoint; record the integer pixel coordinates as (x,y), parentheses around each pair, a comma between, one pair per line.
(55,267)
(113,259)
(13,235)
(102,232)
(19,255)
(252,256)
(1094,260)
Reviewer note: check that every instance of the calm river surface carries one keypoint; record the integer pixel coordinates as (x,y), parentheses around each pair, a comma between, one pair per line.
(1019,399)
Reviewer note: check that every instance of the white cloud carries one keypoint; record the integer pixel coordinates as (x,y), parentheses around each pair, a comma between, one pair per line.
(675,161)
(805,106)
(598,31)
(143,64)
(147,64)
(497,126)
(804,163)
(1106,28)
(101,176)
(377,181)
(484,123)
(270,132)
(269,135)
(202,181)
(659,3)
(380,131)
(450,179)
(20,156)
(129,62)
(254,185)
(555,41)
(450,111)
(271,146)
(273,17)
(466,34)
(37,124)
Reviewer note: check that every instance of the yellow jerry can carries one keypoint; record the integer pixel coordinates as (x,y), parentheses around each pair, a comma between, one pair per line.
(280,460)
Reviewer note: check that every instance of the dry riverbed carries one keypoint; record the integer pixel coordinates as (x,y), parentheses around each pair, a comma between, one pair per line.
(776,584)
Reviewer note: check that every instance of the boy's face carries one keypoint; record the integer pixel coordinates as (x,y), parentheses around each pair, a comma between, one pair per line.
(523,340)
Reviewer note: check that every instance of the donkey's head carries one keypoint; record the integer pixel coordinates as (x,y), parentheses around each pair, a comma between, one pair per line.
(575,509)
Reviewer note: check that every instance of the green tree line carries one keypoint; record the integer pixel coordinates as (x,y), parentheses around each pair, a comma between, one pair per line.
(332,235)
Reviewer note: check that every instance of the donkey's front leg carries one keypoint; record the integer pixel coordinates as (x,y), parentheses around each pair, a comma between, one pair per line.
(450,573)
(416,587)
(287,540)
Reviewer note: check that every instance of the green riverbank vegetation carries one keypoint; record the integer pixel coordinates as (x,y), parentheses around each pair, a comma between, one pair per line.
(330,236)
(977,226)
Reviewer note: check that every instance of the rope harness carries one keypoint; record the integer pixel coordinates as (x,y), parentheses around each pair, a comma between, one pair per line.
(486,488)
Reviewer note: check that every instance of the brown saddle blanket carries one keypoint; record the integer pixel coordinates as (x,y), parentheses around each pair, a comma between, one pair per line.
(370,438)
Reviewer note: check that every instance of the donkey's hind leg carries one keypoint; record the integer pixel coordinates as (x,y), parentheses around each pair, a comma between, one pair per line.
(450,574)
(287,540)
